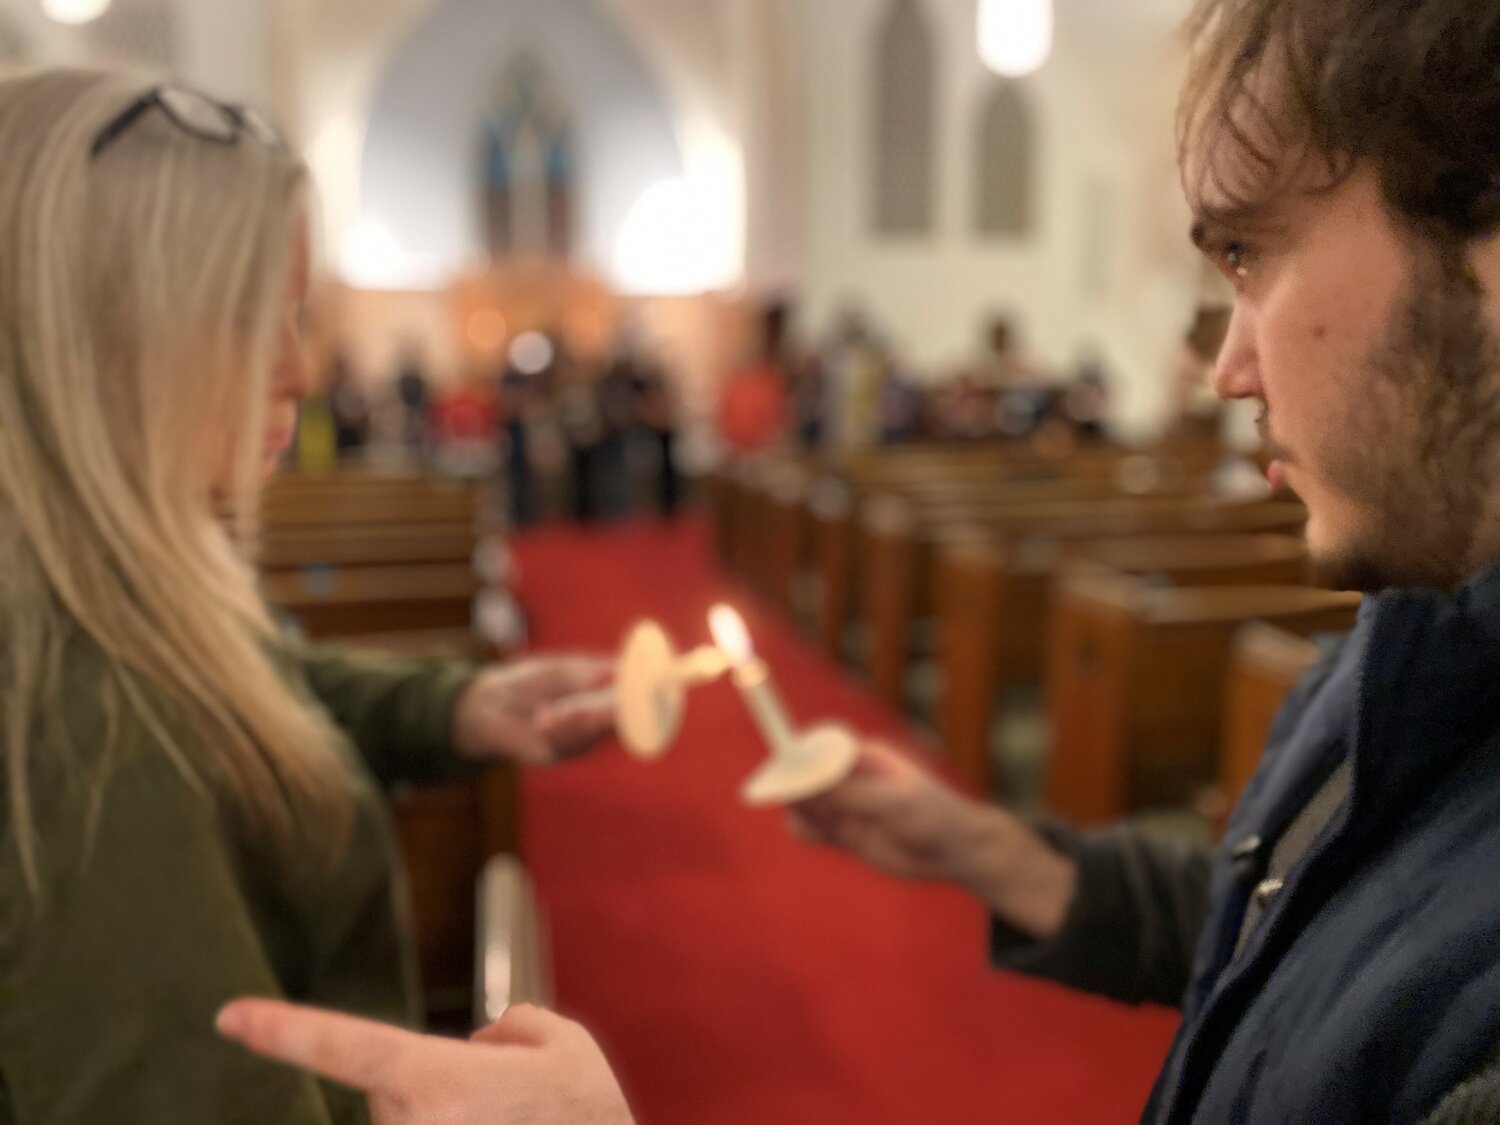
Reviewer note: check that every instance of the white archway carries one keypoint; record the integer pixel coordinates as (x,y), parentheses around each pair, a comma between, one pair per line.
(351,45)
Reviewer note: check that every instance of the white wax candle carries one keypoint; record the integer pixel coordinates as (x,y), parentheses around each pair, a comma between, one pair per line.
(753,679)
(701,666)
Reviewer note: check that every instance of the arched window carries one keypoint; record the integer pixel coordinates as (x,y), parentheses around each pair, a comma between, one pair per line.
(529,166)
(1004,184)
(905,122)
(12,46)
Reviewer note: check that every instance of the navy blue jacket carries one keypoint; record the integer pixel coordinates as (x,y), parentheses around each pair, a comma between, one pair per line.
(1370,988)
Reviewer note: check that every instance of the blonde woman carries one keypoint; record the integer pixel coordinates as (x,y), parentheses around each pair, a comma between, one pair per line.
(189,809)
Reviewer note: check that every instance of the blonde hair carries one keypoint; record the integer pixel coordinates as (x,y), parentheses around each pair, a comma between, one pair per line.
(140,302)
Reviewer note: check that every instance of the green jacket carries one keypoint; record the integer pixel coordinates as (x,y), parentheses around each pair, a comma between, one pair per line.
(154,912)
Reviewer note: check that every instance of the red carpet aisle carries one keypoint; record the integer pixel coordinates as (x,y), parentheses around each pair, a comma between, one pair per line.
(739,977)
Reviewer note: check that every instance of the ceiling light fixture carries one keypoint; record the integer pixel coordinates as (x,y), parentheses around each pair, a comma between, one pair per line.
(1015,36)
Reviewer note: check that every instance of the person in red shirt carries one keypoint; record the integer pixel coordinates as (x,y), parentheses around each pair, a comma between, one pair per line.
(755,408)
(467,414)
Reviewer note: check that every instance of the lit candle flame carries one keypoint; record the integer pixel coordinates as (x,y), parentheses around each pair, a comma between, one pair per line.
(730,634)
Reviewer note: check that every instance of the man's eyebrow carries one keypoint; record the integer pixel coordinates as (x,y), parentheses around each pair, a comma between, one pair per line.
(1214,225)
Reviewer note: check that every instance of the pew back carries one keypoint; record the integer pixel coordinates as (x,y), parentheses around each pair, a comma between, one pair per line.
(1136,684)
(1265,663)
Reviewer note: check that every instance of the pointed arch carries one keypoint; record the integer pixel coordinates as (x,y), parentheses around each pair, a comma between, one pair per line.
(529,163)
(905,172)
(1005,183)
(13,47)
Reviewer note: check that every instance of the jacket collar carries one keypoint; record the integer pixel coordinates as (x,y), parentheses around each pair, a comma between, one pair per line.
(1428,686)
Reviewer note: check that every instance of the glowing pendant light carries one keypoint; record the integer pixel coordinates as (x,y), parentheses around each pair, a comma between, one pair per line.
(75,11)
(1015,36)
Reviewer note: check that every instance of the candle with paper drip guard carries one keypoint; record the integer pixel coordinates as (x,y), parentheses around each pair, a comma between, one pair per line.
(803,763)
(650,689)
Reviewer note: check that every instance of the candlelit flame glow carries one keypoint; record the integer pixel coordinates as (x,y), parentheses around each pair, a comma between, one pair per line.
(730,634)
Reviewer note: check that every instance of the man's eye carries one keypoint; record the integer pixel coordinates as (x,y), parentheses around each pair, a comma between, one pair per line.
(1236,259)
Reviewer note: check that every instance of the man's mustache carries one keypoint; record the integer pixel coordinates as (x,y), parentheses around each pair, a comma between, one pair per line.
(1274,450)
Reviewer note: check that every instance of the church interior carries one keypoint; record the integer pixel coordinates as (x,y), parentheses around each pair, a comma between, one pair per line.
(876,321)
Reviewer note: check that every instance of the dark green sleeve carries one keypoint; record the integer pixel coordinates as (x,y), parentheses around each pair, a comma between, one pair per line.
(111,976)
(1134,922)
(397,711)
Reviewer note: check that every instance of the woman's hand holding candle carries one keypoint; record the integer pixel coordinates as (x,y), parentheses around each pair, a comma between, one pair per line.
(532,712)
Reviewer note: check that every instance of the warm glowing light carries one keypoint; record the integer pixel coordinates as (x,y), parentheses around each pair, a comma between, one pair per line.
(730,634)
(371,255)
(1015,36)
(671,242)
(531,353)
(373,258)
(486,330)
(75,11)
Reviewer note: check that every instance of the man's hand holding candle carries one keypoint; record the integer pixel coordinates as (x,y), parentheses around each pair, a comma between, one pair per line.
(902,820)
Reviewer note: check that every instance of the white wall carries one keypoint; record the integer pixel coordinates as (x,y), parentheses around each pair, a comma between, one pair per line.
(1103,114)
(224,47)
(771,104)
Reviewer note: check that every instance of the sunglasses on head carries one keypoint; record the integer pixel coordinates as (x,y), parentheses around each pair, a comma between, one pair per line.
(196,114)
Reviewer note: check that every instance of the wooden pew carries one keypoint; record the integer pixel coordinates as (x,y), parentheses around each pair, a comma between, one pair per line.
(837,491)
(903,467)
(1265,663)
(744,531)
(758,521)
(910,470)
(851,516)
(900,546)
(859,543)
(721,492)
(787,530)
(343,602)
(339,490)
(447,834)
(387,564)
(831,518)
(359,554)
(821,550)
(1136,681)
(358,508)
(301,546)
(993,600)
(906,467)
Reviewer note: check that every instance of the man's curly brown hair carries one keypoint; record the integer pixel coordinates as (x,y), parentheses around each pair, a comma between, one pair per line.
(1411,87)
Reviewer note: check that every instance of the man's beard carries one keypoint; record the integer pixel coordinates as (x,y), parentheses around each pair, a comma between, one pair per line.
(1423,474)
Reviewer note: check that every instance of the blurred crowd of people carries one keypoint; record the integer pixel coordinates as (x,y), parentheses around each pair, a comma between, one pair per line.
(853,390)
(590,439)
(569,437)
